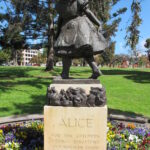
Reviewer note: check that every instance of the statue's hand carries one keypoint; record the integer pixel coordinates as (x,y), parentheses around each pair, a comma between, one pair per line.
(100,29)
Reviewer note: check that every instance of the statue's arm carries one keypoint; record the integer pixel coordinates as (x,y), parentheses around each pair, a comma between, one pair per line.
(83,4)
(59,24)
(91,16)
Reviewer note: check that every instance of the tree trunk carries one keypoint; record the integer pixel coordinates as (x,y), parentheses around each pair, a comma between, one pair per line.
(83,63)
(149,55)
(50,52)
(50,60)
(15,58)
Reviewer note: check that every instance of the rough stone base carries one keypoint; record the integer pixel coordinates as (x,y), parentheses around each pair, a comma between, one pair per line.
(76,93)
(75,128)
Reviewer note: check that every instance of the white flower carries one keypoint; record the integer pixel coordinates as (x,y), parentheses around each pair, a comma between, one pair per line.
(9,145)
(134,138)
(107,129)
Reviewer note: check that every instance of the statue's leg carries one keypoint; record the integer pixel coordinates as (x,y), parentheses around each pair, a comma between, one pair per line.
(96,72)
(66,67)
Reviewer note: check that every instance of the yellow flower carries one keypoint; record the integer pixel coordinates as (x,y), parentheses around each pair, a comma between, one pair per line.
(134,145)
(40,127)
(109,125)
(122,136)
(1,132)
(108,140)
(127,146)
(6,145)
(110,136)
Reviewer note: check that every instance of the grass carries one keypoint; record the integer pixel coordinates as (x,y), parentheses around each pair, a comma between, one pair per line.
(23,89)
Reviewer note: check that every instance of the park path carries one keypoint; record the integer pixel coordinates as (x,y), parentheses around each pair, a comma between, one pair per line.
(138,121)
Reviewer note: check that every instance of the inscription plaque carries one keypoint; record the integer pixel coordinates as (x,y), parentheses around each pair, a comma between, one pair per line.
(71,128)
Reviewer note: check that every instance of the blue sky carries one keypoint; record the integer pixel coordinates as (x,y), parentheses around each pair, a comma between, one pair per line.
(126,19)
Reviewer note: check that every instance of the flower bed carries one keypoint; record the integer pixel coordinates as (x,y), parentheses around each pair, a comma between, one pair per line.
(29,136)
(25,136)
(120,137)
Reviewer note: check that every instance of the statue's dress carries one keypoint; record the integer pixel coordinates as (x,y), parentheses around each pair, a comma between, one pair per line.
(78,36)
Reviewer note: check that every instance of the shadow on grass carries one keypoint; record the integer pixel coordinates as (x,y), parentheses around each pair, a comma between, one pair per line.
(34,82)
(124,113)
(138,76)
(134,75)
(34,107)
(12,72)
(4,109)
(37,100)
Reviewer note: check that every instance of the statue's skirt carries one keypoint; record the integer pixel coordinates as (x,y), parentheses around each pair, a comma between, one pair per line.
(79,38)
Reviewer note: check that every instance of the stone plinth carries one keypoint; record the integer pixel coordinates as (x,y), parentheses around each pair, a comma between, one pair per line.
(75,128)
(64,84)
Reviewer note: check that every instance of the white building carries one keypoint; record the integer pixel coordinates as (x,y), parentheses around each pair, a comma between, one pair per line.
(27,56)
(59,64)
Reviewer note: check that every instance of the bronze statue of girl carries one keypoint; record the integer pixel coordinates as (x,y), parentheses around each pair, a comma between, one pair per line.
(77,35)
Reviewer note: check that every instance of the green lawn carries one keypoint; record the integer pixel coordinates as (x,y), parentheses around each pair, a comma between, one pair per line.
(23,89)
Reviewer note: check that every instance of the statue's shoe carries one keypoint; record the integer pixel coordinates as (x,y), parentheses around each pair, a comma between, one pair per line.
(64,76)
(95,75)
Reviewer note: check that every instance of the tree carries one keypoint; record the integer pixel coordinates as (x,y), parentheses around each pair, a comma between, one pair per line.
(133,32)
(108,55)
(39,59)
(13,40)
(47,14)
(110,23)
(10,29)
(4,57)
(41,25)
(118,60)
(50,52)
(147,45)
(35,19)
(143,61)
(99,60)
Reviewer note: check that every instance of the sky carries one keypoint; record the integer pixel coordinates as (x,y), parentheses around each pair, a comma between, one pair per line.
(126,20)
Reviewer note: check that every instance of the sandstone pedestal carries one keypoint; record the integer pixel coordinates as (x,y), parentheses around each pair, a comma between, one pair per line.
(71,128)
(82,123)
